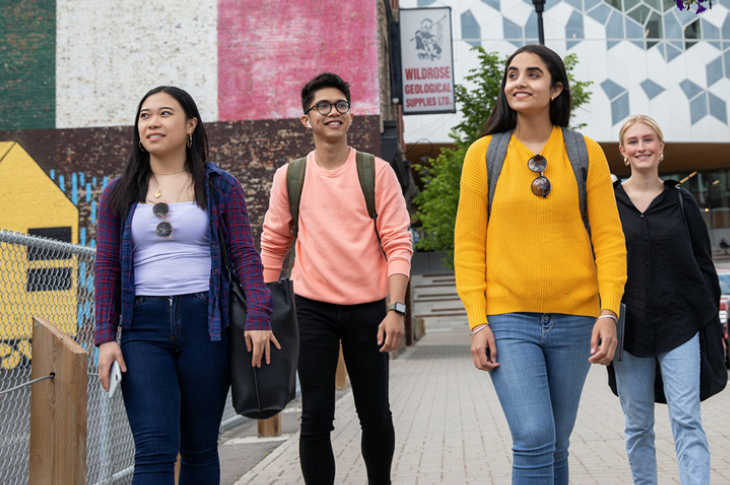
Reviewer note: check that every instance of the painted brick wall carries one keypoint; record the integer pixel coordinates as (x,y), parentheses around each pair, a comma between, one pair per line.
(81,161)
(111,53)
(27,64)
(243,61)
(267,49)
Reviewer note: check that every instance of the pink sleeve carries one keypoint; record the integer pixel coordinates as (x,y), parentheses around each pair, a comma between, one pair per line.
(393,220)
(276,236)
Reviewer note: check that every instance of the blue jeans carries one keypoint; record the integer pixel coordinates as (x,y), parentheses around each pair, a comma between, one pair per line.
(543,364)
(680,369)
(174,389)
(322,326)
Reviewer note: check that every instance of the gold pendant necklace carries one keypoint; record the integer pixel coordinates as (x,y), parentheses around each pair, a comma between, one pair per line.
(158,192)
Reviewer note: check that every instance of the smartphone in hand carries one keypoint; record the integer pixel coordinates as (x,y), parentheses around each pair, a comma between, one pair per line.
(115,379)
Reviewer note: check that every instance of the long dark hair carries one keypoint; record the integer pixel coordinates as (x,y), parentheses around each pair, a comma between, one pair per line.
(503,118)
(132,185)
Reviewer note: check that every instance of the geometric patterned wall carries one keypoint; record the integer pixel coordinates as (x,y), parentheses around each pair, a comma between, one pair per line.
(642,55)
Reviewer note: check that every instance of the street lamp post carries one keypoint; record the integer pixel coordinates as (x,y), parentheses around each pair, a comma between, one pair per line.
(540,8)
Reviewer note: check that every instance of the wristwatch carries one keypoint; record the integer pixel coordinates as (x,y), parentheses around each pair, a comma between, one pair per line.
(399,308)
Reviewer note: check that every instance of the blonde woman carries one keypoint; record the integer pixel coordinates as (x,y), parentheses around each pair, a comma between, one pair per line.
(671,293)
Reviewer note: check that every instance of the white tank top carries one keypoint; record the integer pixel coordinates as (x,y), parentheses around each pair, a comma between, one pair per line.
(178,265)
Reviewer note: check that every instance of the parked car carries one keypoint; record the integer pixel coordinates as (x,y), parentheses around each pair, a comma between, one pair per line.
(723,275)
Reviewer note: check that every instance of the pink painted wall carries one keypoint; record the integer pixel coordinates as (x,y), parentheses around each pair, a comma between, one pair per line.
(267,49)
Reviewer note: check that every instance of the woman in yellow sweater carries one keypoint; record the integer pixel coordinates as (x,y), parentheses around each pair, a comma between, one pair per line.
(537,286)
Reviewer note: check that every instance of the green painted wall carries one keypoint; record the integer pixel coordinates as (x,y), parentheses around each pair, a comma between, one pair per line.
(27,64)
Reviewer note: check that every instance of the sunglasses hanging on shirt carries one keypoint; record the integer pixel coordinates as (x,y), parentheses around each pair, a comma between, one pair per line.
(164,228)
(541,185)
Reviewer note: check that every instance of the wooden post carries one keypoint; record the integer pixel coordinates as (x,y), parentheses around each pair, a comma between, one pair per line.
(270,427)
(341,375)
(57,408)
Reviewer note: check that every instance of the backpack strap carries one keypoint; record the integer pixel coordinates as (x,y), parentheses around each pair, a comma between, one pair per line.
(366,176)
(294,183)
(575,145)
(496,152)
(295,172)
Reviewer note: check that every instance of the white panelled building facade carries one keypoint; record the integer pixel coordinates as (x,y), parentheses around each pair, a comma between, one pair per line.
(642,57)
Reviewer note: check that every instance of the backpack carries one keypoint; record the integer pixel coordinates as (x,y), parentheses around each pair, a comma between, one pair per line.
(365,163)
(575,145)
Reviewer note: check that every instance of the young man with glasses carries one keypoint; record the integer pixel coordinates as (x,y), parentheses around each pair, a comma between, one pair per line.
(341,280)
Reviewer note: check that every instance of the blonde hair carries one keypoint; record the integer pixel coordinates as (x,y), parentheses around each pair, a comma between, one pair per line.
(634,119)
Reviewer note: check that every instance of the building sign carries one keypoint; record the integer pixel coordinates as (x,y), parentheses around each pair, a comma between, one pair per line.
(427,58)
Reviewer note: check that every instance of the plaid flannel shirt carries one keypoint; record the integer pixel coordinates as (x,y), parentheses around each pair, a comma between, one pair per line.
(114,276)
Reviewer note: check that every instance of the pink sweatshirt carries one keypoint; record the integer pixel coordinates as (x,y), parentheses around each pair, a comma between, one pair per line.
(338,258)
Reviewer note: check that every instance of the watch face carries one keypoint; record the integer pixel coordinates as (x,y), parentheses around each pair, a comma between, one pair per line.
(399,308)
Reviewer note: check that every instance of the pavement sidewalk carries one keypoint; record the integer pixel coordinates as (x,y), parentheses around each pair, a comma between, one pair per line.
(450,428)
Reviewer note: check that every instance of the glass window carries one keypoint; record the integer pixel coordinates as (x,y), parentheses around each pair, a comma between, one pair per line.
(653,29)
(640,14)
(692,32)
(710,190)
(654,3)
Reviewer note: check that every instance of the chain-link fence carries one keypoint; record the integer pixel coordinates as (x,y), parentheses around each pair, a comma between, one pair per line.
(55,280)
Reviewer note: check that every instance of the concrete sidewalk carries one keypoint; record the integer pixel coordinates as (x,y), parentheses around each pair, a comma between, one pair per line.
(450,427)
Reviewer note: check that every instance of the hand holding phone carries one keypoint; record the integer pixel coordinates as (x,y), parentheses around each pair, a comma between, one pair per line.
(115,379)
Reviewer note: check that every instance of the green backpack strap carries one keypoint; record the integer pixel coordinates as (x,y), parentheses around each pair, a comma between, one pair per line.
(295,172)
(366,175)
(294,183)
(575,145)
(365,163)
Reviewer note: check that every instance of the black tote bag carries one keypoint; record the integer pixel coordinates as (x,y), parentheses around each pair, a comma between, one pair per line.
(260,393)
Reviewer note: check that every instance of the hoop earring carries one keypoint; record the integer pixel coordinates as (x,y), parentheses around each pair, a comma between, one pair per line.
(141,148)
(661,157)
(626,161)
(190,140)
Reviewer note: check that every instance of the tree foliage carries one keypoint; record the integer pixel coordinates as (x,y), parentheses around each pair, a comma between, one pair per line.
(438,202)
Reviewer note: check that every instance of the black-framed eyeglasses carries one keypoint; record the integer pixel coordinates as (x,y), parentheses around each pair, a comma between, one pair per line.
(164,228)
(325,107)
(541,185)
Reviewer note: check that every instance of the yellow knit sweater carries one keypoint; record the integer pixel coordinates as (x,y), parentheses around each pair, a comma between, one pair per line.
(534,255)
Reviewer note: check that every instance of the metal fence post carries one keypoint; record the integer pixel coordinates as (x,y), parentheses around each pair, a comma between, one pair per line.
(57,408)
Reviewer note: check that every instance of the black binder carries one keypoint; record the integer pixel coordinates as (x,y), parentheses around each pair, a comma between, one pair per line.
(620,327)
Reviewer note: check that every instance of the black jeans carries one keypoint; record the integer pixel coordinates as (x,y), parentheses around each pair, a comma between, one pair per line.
(322,326)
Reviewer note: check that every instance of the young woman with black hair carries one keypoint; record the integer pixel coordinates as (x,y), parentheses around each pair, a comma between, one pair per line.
(536,285)
(159,278)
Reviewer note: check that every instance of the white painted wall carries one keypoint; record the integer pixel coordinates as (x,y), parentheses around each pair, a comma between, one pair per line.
(109,54)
